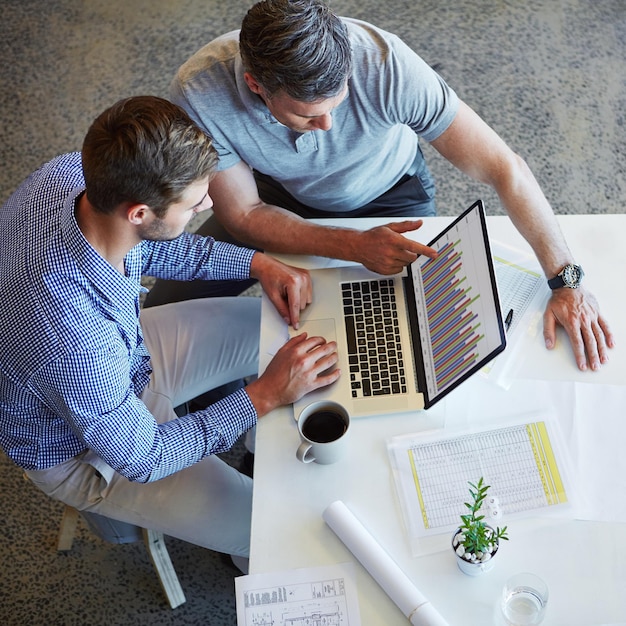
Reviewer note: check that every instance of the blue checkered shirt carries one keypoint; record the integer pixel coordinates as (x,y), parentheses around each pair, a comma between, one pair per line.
(72,360)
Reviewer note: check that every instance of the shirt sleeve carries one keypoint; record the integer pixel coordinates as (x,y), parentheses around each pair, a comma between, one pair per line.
(397,84)
(420,97)
(91,391)
(191,257)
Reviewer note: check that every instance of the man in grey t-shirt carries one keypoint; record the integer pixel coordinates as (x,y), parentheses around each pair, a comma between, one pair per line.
(319,116)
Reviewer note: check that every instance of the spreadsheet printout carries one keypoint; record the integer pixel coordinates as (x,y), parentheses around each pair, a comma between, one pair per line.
(520,462)
(523,294)
(518,288)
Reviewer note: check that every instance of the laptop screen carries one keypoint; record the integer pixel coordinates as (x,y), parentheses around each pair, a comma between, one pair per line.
(456,320)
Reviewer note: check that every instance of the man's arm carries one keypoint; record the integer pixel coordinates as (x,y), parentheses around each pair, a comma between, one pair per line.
(472,146)
(237,205)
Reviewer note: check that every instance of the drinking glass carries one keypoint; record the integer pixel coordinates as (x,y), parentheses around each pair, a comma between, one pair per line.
(524,600)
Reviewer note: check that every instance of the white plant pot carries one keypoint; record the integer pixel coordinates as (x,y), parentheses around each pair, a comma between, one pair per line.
(474,567)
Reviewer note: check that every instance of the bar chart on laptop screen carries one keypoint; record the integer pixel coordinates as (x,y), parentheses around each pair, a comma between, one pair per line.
(458,325)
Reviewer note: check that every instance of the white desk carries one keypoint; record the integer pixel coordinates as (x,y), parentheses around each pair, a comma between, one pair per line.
(583,562)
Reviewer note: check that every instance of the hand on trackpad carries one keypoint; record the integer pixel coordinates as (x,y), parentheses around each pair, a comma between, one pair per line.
(317,328)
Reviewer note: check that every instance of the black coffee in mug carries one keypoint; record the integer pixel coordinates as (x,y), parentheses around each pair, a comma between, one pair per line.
(324,426)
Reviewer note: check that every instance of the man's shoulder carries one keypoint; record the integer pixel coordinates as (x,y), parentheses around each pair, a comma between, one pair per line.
(53,180)
(64,167)
(369,36)
(213,57)
(33,211)
(206,86)
(63,164)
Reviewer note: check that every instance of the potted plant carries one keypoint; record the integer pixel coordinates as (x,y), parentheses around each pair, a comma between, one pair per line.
(475,543)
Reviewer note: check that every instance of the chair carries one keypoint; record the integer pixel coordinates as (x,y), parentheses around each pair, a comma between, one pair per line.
(114,531)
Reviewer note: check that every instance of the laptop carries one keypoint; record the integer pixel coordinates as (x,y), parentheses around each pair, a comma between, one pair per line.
(406,341)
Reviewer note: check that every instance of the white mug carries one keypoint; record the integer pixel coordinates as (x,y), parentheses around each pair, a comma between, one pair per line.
(323,428)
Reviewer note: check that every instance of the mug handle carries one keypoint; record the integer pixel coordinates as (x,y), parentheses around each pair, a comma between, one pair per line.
(304,452)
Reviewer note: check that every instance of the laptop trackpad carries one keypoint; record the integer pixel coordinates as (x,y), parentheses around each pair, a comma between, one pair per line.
(316,328)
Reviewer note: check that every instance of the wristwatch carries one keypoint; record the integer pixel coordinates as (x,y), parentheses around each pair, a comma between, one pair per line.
(570,276)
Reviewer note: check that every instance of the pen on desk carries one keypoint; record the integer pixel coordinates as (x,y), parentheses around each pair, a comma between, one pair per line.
(509,319)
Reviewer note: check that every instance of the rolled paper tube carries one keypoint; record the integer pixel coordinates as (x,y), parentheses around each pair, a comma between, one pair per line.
(383,569)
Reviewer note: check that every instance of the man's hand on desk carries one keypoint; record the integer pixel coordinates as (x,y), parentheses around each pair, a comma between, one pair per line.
(300,366)
(578,312)
(288,288)
(385,250)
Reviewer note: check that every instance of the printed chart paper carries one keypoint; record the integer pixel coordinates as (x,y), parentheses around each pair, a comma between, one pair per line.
(303,597)
(520,462)
(518,287)
(523,293)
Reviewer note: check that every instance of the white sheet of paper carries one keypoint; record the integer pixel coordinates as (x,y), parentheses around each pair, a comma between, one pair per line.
(584,412)
(598,459)
(300,596)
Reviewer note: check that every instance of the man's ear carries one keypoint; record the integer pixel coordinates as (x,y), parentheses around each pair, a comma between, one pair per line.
(137,213)
(252,83)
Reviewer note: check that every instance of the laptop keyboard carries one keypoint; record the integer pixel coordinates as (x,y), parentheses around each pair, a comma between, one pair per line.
(374,351)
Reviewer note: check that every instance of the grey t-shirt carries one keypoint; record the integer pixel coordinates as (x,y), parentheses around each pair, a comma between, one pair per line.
(394,98)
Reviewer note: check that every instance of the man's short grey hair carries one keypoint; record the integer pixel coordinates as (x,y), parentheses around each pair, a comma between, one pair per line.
(298,47)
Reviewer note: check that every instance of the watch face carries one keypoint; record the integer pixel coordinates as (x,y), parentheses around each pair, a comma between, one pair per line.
(572,275)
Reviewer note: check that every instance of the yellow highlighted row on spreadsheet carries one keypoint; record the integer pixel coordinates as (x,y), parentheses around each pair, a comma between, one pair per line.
(420,496)
(517,267)
(546,463)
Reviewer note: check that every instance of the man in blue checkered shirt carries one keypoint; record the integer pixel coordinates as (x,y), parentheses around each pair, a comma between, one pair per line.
(87,382)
